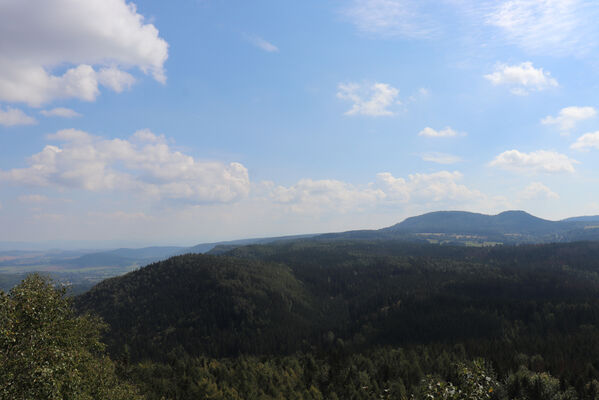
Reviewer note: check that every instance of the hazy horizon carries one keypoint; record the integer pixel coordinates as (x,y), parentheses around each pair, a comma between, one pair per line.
(102,245)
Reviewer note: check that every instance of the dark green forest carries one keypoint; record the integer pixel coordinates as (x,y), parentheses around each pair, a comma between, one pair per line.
(357,319)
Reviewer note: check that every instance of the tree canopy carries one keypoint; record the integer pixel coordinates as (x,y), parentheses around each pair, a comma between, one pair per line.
(48,352)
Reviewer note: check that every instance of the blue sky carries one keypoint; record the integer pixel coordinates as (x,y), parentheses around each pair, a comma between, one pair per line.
(161,123)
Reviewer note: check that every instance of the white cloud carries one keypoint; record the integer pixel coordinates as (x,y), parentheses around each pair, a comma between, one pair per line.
(115,79)
(420,94)
(441,158)
(537,190)
(262,44)
(149,168)
(371,100)
(93,42)
(427,188)
(547,26)
(401,18)
(60,112)
(310,196)
(537,161)
(447,132)
(522,78)
(14,116)
(568,117)
(147,136)
(587,141)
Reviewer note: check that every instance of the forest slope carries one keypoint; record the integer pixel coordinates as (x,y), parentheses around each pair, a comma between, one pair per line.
(343,304)
(203,305)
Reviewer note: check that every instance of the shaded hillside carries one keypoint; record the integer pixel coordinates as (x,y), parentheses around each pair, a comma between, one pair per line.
(204,305)
(308,294)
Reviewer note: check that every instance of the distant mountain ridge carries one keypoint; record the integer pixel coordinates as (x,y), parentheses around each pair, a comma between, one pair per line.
(125,257)
(206,247)
(440,227)
(455,227)
(517,222)
(587,218)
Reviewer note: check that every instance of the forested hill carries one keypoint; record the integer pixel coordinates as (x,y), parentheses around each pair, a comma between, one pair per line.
(322,316)
(203,305)
(280,298)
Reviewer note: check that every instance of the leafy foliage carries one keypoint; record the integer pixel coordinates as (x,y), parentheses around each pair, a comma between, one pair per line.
(47,352)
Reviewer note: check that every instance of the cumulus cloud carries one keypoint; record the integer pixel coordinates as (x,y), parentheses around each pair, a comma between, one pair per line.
(115,79)
(434,187)
(370,100)
(262,44)
(446,132)
(401,18)
(537,161)
(546,26)
(387,190)
(148,167)
(440,158)
(310,195)
(522,78)
(587,141)
(60,112)
(537,190)
(67,48)
(13,116)
(568,117)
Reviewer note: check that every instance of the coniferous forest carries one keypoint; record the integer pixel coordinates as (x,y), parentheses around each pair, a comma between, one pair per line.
(331,319)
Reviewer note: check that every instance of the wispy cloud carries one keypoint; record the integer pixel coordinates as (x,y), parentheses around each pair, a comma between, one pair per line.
(372,100)
(13,116)
(262,43)
(522,78)
(446,132)
(60,112)
(390,18)
(568,117)
(555,27)
(547,26)
(33,198)
(440,158)
(537,190)
(587,141)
